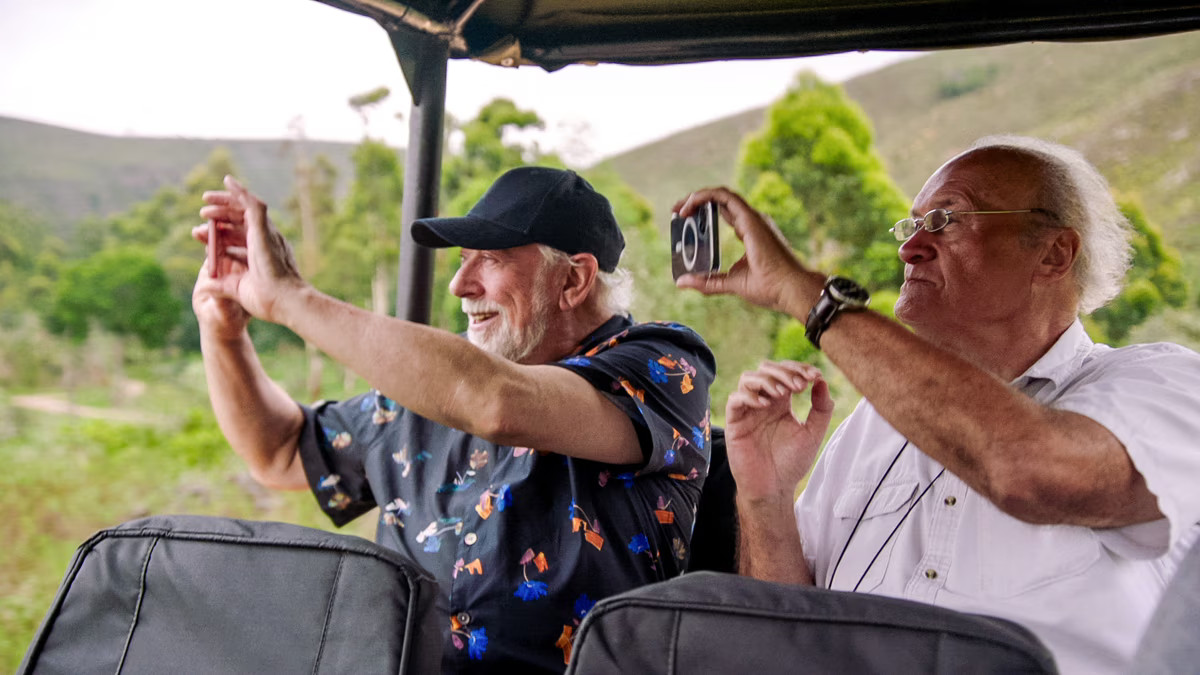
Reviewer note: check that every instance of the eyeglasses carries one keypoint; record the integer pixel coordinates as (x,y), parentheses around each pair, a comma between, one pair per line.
(940,218)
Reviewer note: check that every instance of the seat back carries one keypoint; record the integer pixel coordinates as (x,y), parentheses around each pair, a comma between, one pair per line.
(194,594)
(714,538)
(1171,643)
(720,623)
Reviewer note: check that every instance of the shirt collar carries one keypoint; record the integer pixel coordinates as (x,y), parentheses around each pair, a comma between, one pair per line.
(1063,359)
(614,325)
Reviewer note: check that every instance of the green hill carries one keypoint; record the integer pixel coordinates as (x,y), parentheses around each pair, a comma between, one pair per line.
(66,175)
(1130,106)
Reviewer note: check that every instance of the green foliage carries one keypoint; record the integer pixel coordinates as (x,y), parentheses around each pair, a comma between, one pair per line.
(968,79)
(367,234)
(370,98)
(823,182)
(772,195)
(124,290)
(1155,282)
(29,261)
(791,344)
(481,152)
(878,267)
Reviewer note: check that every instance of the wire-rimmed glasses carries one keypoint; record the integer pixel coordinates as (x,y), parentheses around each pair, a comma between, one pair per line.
(940,218)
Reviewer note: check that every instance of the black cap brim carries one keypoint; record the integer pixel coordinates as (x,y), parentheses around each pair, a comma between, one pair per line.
(467,232)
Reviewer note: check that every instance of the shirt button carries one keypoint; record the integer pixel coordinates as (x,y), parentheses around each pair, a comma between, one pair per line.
(463,618)
(951,501)
(929,574)
(470,538)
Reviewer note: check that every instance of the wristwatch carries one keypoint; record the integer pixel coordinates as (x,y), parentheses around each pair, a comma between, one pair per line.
(839,295)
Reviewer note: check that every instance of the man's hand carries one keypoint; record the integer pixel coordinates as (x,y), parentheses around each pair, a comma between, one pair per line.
(254,265)
(215,310)
(770,450)
(769,274)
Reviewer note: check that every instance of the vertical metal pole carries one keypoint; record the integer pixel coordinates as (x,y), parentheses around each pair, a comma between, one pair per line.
(423,60)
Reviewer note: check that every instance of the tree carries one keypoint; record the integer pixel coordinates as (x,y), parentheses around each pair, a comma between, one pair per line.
(481,150)
(29,261)
(1155,281)
(489,145)
(125,292)
(815,169)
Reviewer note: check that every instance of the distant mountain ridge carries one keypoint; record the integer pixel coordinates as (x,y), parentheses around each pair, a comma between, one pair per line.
(1131,106)
(66,175)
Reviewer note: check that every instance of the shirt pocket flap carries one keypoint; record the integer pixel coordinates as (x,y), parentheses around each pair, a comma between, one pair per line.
(889,497)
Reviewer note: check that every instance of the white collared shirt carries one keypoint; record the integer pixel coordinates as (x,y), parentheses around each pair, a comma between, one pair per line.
(1087,593)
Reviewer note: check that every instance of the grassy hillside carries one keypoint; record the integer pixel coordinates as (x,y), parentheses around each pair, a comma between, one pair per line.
(1130,106)
(66,175)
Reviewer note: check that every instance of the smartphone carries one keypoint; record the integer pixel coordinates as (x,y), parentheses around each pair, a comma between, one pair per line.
(695,246)
(214,250)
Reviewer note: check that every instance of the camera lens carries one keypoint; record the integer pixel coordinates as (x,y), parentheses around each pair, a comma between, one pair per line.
(689,243)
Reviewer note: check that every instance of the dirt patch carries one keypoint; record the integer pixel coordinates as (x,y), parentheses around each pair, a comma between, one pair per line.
(57,404)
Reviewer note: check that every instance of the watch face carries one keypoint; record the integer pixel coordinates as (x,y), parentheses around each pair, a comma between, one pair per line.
(847,291)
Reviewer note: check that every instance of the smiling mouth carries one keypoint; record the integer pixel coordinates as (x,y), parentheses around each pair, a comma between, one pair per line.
(476,319)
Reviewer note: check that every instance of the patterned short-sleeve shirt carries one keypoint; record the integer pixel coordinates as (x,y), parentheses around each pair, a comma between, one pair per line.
(523,542)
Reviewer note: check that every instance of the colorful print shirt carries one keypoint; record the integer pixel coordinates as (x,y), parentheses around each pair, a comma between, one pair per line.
(522,541)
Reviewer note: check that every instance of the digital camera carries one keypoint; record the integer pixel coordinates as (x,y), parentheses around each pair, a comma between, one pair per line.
(695,247)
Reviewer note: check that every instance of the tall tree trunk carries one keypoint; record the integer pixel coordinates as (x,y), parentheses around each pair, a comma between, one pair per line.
(309,252)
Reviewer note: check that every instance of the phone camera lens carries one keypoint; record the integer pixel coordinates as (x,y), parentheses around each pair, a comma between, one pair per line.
(689,243)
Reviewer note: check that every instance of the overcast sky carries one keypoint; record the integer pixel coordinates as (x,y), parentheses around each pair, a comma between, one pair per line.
(250,68)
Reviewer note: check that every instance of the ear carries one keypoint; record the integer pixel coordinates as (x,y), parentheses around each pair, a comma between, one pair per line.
(1058,258)
(581,277)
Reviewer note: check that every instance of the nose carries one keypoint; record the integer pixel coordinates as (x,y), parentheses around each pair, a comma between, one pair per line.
(918,248)
(463,284)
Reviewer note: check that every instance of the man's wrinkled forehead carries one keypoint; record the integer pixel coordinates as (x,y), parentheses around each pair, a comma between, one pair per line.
(991,174)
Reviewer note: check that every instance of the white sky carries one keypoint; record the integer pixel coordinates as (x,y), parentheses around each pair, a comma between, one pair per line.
(236,69)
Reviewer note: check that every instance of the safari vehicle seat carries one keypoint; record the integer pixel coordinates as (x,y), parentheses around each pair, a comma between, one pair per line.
(1171,645)
(721,624)
(196,594)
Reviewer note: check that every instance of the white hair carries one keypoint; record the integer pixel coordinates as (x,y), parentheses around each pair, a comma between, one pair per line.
(613,291)
(1079,196)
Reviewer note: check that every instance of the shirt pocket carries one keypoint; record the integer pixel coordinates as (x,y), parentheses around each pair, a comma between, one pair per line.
(1014,557)
(868,520)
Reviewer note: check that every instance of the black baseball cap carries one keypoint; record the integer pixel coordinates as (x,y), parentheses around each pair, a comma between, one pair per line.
(533,205)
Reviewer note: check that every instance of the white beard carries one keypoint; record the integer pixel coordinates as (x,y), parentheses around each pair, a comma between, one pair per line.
(504,339)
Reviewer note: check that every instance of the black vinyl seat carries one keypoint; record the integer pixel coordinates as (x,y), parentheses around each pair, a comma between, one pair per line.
(718,624)
(196,594)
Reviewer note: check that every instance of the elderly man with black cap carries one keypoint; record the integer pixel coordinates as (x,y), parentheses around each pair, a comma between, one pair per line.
(553,458)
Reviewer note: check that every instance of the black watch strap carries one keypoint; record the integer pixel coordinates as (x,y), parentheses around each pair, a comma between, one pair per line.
(839,295)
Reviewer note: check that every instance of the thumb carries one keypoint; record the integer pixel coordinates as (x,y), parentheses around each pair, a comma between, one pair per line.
(822,404)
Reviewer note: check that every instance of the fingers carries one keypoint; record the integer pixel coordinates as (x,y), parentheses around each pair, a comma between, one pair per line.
(774,380)
(716,283)
(253,210)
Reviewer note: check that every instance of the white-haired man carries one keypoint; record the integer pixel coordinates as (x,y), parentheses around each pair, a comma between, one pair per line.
(552,459)
(1000,462)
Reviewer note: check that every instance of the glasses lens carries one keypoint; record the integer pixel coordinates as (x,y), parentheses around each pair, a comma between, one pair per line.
(937,219)
(903,229)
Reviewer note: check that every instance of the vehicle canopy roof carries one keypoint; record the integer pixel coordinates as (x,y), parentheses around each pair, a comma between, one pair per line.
(552,34)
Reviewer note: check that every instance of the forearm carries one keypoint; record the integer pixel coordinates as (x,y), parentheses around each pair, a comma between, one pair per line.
(1034,462)
(769,546)
(431,372)
(445,378)
(260,421)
